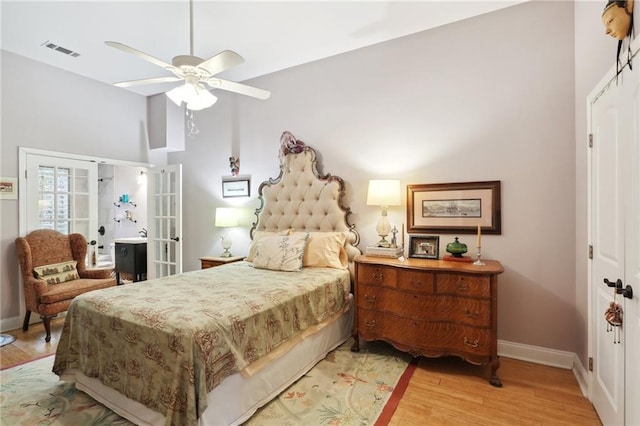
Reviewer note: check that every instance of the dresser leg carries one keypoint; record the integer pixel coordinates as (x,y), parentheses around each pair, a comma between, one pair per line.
(494,380)
(356,343)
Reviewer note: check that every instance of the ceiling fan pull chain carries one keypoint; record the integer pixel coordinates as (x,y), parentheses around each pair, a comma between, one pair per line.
(192,129)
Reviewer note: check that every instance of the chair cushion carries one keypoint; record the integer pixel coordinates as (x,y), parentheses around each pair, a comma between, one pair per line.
(71,289)
(57,272)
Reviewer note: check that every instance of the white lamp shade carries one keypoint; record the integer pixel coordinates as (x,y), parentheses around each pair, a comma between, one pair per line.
(383,192)
(226,217)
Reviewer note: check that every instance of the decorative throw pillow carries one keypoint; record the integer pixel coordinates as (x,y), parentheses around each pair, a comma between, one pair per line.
(281,253)
(57,272)
(326,250)
(259,235)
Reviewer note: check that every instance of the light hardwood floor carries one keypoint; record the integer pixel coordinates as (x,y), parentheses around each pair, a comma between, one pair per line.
(443,391)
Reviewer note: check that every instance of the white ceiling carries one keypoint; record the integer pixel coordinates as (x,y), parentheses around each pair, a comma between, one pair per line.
(271,36)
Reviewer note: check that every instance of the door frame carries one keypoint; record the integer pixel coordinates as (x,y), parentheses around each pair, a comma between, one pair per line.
(608,79)
(23,152)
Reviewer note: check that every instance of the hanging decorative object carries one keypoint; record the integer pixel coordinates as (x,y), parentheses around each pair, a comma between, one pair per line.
(234,164)
(617,18)
(613,315)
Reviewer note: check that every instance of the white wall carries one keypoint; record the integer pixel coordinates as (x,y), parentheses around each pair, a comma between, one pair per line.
(488,98)
(47,108)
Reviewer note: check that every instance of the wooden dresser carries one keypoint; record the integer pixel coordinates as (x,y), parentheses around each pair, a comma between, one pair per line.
(429,307)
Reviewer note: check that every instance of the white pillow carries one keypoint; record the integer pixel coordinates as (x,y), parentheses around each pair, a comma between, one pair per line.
(281,253)
(326,250)
(259,235)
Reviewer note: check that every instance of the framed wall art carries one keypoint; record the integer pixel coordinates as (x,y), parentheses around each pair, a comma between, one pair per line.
(424,246)
(8,188)
(236,187)
(454,208)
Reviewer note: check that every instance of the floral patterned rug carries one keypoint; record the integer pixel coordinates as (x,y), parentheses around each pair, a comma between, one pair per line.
(345,388)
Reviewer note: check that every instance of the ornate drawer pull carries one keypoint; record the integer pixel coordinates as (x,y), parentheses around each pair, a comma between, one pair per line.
(473,344)
(416,284)
(369,324)
(369,298)
(377,275)
(470,314)
(461,285)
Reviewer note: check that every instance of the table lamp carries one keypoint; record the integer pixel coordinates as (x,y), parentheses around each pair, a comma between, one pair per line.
(226,217)
(383,193)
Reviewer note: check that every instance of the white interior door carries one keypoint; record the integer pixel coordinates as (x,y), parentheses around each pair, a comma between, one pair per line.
(607,225)
(615,236)
(631,90)
(164,241)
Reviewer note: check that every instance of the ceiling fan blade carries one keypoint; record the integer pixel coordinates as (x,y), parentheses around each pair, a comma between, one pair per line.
(146,81)
(243,89)
(221,62)
(141,55)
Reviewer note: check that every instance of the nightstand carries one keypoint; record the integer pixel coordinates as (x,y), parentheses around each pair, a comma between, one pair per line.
(210,261)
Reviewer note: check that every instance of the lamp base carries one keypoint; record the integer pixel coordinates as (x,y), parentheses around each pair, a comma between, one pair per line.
(226,253)
(383,242)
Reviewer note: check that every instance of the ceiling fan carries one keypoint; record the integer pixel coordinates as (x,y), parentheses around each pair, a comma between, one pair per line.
(197,74)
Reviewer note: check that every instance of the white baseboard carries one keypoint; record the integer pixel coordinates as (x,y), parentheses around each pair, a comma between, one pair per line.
(546,356)
(11,324)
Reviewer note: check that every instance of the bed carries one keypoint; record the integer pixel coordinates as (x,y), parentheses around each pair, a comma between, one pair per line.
(210,347)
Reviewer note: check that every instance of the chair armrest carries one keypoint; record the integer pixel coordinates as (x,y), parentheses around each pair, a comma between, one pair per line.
(97,273)
(33,290)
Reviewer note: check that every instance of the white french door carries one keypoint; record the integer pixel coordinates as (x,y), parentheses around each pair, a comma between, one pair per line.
(61,194)
(164,241)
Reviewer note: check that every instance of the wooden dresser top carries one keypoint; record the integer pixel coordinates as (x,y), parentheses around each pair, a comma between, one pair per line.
(490,267)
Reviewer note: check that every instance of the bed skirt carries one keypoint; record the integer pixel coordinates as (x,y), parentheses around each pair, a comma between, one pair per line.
(237,398)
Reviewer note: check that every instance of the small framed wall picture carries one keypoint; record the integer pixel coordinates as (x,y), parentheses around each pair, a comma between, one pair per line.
(8,188)
(236,188)
(424,246)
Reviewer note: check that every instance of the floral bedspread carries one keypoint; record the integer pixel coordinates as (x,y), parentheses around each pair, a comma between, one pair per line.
(167,342)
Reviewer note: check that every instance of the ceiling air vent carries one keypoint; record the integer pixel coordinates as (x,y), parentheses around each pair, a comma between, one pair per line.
(60,49)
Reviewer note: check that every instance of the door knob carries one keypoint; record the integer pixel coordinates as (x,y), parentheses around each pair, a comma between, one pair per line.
(625,292)
(176,239)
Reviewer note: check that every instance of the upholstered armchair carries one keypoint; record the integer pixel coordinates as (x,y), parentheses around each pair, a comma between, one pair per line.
(54,272)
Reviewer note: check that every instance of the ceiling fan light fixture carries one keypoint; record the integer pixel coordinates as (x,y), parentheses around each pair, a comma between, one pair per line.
(203,100)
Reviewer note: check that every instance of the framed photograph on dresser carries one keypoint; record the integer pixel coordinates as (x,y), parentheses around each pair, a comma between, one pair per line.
(424,246)
(454,208)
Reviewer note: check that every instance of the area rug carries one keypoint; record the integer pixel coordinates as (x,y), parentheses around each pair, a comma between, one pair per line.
(345,388)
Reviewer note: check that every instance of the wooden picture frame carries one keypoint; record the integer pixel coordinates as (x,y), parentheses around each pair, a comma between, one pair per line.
(236,188)
(454,208)
(8,188)
(424,246)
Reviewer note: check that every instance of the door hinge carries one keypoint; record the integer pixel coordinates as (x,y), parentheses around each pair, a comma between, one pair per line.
(25,173)
(590,363)
(590,251)
(590,140)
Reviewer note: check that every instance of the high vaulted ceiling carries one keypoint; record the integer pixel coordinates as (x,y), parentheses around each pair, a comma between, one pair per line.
(271,36)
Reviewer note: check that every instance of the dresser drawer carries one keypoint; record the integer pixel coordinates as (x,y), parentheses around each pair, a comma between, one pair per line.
(426,336)
(476,312)
(421,282)
(377,275)
(463,284)
(408,304)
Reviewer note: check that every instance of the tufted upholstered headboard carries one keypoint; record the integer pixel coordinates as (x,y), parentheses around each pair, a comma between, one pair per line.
(302,199)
